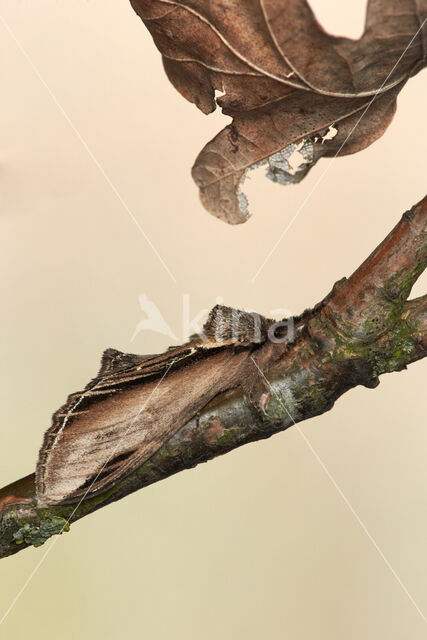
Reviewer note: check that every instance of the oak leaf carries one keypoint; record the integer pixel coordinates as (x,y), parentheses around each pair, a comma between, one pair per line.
(295,92)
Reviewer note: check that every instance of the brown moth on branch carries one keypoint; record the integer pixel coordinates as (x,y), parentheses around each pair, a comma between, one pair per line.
(144,418)
(295,93)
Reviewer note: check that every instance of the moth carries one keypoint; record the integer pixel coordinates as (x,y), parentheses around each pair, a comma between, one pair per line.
(136,403)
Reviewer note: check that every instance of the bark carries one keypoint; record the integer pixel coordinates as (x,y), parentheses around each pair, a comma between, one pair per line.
(364,328)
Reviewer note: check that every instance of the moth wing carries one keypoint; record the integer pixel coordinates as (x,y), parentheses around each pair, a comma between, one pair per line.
(113,361)
(123,417)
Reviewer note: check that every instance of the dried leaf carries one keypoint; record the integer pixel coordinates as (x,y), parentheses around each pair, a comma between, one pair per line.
(289,86)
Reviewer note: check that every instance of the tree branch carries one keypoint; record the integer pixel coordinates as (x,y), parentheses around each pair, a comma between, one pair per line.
(365,327)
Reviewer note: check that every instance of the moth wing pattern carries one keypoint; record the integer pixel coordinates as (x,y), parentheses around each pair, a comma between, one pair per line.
(124,415)
(114,360)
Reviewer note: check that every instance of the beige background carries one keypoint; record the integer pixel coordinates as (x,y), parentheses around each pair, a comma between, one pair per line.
(259,543)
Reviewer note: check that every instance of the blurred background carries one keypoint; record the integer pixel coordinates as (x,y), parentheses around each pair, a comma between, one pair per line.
(258,543)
